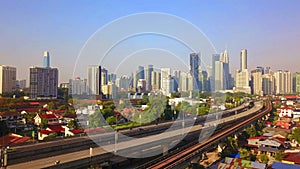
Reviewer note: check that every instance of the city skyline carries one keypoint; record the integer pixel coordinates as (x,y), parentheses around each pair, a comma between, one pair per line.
(267,34)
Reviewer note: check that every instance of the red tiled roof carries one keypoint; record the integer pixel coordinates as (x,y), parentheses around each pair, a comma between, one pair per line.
(293,157)
(56,128)
(47,116)
(12,139)
(255,138)
(46,132)
(286,107)
(76,131)
(281,140)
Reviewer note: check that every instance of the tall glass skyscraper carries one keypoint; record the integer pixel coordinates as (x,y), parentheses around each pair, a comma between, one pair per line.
(194,68)
(46,59)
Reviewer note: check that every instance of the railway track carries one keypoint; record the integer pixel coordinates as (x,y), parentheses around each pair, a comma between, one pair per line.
(178,158)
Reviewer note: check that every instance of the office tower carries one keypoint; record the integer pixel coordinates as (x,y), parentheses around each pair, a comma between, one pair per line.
(43,82)
(109,90)
(296,82)
(140,74)
(168,86)
(203,80)
(77,86)
(256,78)
(219,76)
(194,68)
(46,59)
(155,81)
(123,83)
(112,77)
(268,84)
(243,61)
(165,73)
(262,69)
(7,79)
(242,75)
(283,82)
(186,81)
(149,77)
(94,80)
(104,76)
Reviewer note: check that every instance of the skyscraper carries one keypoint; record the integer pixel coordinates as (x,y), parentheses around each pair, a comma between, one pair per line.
(149,77)
(283,82)
(7,79)
(77,86)
(155,81)
(296,82)
(46,59)
(194,68)
(268,84)
(43,82)
(242,75)
(94,80)
(243,61)
(165,73)
(256,78)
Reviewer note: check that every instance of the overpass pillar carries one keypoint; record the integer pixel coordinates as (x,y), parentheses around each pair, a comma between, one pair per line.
(165,149)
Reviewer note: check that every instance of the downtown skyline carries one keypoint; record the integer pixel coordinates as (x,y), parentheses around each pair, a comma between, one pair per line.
(268,30)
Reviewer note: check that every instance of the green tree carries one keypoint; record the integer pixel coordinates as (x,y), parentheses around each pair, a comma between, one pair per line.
(279,155)
(4,130)
(51,106)
(264,158)
(251,131)
(44,123)
(73,124)
(296,134)
(245,154)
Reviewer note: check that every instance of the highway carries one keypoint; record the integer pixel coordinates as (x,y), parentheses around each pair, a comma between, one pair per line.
(127,146)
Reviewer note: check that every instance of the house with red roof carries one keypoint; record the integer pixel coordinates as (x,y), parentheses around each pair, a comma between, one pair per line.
(254,141)
(13,139)
(51,118)
(291,158)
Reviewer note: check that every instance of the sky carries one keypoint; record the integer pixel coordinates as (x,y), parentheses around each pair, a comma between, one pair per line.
(269,30)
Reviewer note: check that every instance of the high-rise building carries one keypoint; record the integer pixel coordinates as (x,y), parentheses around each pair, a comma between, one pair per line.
(155,81)
(242,75)
(283,82)
(149,77)
(94,81)
(109,90)
(77,86)
(256,78)
(165,73)
(219,76)
(104,76)
(46,59)
(7,79)
(243,61)
(194,68)
(168,86)
(43,82)
(186,81)
(141,85)
(296,82)
(268,84)
(123,83)
(203,80)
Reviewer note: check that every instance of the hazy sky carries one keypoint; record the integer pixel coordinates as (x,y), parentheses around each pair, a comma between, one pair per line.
(269,30)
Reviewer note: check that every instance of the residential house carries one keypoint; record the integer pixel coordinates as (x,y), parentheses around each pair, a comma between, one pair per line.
(51,118)
(269,146)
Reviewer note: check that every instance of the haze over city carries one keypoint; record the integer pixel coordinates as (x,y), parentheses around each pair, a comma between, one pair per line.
(269,31)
